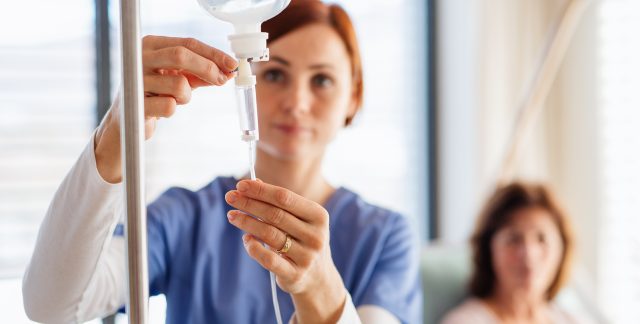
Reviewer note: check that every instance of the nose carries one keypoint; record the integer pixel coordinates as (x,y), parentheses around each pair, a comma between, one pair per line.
(297,98)
(530,251)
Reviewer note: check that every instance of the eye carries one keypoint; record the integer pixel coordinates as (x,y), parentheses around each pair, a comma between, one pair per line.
(513,238)
(273,76)
(322,81)
(542,238)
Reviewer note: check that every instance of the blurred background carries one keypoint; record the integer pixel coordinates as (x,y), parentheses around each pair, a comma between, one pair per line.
(459,95)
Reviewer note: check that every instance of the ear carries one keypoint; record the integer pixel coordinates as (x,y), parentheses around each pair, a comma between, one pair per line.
(354,106)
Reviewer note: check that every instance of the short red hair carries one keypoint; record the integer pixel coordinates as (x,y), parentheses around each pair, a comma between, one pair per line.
(301,13)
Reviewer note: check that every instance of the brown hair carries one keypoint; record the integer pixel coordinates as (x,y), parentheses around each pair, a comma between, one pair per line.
(301,13)
(498,212)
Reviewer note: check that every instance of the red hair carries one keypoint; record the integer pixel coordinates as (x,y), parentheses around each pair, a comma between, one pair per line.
(301,13)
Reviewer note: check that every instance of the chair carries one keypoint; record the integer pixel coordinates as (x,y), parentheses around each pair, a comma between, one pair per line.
(444,272)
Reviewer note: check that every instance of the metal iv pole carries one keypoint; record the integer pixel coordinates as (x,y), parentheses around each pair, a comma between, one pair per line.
(132,141)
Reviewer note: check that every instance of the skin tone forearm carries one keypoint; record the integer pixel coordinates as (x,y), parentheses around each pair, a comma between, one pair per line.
(107,150)
(323,304)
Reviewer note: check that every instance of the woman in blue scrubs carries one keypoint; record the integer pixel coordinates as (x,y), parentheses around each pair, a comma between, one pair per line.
(336,257)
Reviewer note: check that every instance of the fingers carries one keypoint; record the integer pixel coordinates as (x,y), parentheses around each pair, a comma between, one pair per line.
(155,107)
(175,66)
(183,48)
(268,213)
(268,259)
(270,235)
(159,106)
(312,236)
(183,59)
(176,86)
(287,200)
(217,56)
(264,232)
(149,127)
(194,81)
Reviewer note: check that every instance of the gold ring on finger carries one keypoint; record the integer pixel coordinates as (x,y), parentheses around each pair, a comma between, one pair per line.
(286,246)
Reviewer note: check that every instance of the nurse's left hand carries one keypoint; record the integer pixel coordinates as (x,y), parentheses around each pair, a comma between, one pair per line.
(306,270)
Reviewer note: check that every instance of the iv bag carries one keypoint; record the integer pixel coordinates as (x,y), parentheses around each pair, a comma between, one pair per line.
(245,15)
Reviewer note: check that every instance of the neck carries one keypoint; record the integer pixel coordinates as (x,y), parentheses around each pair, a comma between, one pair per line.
(518,305)
(302,176)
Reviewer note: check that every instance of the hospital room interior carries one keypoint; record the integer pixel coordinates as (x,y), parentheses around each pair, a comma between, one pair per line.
(498,139)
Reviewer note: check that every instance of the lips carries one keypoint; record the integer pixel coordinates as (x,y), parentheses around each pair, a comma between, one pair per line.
(291,129)
(526,273)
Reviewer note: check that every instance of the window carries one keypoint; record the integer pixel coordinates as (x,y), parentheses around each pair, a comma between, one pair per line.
(47,99)
(619,140)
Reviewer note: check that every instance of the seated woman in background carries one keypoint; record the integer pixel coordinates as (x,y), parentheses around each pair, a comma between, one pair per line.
(522,249)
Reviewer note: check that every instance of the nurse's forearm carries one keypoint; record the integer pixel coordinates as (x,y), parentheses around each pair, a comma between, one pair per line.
(107,148)
(323,304)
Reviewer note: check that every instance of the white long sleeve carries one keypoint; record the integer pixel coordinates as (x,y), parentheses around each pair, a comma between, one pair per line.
(75,273)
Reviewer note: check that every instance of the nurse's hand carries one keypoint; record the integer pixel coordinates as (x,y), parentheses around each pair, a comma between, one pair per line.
(306,270)
(172,68)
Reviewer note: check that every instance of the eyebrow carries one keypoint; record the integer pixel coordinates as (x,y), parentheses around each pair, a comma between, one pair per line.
(313,67)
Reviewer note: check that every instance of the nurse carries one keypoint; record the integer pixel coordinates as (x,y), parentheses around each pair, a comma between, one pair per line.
(336,257)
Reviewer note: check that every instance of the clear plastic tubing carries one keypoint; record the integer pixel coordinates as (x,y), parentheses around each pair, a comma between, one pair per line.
(247,112)
(252,159)
(248,44)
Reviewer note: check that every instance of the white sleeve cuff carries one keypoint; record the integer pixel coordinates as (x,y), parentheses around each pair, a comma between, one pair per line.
(364,314)
(349,314)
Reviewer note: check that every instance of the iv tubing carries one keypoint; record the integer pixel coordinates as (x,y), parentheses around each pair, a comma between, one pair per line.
(272,277)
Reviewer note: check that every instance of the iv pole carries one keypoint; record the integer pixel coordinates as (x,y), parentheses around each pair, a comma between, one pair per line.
(132,141)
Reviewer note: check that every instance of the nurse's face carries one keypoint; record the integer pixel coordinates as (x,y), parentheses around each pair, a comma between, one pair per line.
(304,93)
(526,253)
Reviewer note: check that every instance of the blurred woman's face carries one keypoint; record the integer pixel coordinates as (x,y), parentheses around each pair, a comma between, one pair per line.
(304,92)
(527,252)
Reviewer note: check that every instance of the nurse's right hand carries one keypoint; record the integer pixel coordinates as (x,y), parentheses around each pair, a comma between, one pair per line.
(172,68)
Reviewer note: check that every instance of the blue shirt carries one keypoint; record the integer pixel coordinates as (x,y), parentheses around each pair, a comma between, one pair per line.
(197,259)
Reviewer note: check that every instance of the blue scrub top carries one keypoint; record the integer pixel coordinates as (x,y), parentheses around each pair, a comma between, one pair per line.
(197,259)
